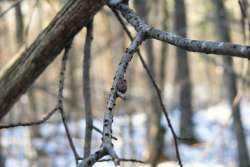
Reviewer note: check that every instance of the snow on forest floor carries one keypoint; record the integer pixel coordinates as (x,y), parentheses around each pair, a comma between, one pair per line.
(213,127)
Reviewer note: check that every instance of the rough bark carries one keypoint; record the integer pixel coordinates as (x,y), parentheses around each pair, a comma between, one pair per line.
(182,76)
(230,81)
(16,79)
(192,45)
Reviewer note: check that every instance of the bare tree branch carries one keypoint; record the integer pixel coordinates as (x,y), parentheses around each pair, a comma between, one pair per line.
(93,158)
(164,110)
(33,123)
(15,80)
(60,100)
(59,107)
(100,132)
(209,47)
(107,146)
(124,160)
(19,75)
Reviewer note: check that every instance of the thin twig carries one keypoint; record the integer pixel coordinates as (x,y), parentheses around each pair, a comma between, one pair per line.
(100,132)
(124,160)
(59,106)
(158,91)
(60,100)
(33,123)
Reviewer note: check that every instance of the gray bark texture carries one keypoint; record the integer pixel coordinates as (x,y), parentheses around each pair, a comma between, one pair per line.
(202,46)
(230,81)
(18,76)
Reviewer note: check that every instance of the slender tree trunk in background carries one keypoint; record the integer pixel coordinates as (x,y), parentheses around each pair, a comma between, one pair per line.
(183,76)
(155,132)
(245,24)
(231,85)
(19,25)
(87,90)
(164,47)
(162,78)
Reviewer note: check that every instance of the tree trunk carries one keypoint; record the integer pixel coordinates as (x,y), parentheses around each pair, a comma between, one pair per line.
(231,84)
(183,76)
(18,77)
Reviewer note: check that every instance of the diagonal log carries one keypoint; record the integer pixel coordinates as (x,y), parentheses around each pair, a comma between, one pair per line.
(23,71)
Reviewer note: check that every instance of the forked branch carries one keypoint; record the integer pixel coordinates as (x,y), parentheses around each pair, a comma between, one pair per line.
(107,146)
